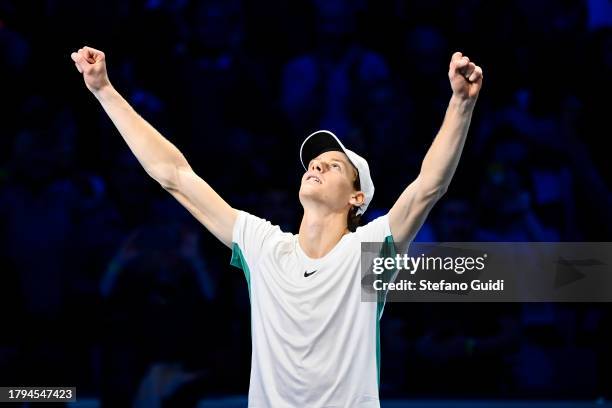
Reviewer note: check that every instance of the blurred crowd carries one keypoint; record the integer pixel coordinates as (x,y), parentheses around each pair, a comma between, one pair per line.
(109,284)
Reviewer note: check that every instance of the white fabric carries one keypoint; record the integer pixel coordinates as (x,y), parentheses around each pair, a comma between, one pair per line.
(314,340)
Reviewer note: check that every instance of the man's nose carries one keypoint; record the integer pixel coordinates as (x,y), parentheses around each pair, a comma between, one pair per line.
(316,166)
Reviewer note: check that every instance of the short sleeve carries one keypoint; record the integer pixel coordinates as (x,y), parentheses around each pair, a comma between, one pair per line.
(378,231)
(249,236)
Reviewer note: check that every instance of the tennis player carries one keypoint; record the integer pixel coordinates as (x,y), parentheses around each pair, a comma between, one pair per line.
(315,343)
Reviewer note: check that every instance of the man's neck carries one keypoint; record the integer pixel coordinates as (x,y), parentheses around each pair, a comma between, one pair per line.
(320,232)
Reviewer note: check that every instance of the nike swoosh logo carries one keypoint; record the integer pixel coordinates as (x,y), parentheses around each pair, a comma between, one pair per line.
(307,274)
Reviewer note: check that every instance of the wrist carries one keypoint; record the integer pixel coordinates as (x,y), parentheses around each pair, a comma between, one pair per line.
(461,103)
(104,92)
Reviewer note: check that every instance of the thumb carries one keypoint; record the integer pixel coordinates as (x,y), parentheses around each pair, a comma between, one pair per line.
(79,61)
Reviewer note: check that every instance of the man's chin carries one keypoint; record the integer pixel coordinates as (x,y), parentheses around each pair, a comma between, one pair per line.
(309,193)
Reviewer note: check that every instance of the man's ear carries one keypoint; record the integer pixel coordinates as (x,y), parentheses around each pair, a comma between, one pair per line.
(357,198)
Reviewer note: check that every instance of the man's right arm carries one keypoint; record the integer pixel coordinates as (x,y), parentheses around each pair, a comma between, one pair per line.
(157,155)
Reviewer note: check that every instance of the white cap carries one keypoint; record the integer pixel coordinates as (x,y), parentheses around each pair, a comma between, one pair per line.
(323,141)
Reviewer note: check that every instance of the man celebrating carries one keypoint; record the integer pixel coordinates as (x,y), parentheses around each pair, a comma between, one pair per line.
(315,343)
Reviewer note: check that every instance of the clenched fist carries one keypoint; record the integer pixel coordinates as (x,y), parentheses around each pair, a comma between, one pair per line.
(92,64)
(465,77)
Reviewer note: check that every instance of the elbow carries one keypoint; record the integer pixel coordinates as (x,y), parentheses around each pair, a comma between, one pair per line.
(433,190)
(436,193)
(442,191)
(168,176)
(159,174)
(168,173)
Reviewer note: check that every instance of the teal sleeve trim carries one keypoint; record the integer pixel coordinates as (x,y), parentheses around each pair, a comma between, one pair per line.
(240,262)
(387,250)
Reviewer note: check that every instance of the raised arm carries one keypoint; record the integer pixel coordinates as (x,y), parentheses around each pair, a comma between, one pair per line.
(412,207)
(160,158)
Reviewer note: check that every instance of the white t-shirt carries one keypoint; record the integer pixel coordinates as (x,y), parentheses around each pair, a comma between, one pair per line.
(315,343)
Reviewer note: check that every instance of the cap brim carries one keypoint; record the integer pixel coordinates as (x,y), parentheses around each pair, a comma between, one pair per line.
(319,142)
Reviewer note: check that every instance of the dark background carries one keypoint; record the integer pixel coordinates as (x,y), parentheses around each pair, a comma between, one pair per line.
(107,284)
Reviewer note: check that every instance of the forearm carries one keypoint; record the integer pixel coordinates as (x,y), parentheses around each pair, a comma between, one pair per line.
(158,156)
(443,156)
(409,211)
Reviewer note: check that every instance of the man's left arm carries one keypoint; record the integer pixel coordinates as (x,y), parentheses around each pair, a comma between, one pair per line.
(412,207)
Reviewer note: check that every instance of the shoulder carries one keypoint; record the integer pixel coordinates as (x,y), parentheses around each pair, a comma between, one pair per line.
(254,230)
(376,229)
